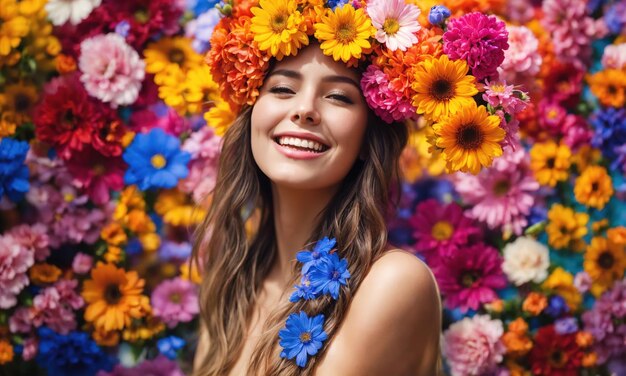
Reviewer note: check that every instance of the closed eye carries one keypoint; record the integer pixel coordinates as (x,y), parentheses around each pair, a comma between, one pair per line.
(341,98)
(281,90)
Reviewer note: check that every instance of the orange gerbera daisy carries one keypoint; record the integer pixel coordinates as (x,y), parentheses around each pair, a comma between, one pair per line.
(609,86)
(114,297)
(594,187)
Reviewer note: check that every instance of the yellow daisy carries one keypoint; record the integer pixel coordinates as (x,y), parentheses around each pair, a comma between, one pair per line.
(561,282)
(550,162)
(566,228)
(442,87)
(220,116)
(470,139)
(605,262)
(279,27)
(177,209)
(13,27)
(594,187)
(114,297)
(344,34)
(200,89)
(170,53)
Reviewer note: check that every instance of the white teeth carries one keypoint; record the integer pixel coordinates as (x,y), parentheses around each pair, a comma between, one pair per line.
(298,142)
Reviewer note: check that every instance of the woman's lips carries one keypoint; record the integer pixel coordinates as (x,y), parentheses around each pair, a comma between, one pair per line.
(293,153)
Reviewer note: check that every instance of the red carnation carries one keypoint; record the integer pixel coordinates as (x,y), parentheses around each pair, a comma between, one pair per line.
(555,354)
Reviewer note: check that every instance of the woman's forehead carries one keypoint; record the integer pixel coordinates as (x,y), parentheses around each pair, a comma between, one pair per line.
(311,60)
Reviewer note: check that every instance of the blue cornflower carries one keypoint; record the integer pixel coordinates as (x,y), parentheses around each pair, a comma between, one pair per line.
(302,336)
(13,171)
(155,160)
(332,4)
(320,251)
(169,346)
(438,14)
(200,6)
(609,130)
(303,291)
(74,354)
(122,28)
(556,306)
(329,275)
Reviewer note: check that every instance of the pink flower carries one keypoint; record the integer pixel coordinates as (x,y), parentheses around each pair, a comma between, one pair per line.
(175,301)
(503,195)
(22,320)
(387,104)
(472,346)
(499,94)
(440,230)
(614,56)
(15,260)
(577,131)
(33,237)
(582,282)
(478,39)
(551,115)
(82,263)
(522,58)
(112,70)
(395,22)
(520,11)
(204,147)
(159,366)
(30,348)
(470,276)
(55,306)
(161,116)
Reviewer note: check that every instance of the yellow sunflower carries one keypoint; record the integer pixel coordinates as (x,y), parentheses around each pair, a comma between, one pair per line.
(279,27)
(168,53)
(200,89)
(550,162)
(605,262)
(609,86)
(220,116)
(566,228)
(344,34)
(17,102)
(114,297)
(594,187)
(177,209)
(470,139)
(442,87)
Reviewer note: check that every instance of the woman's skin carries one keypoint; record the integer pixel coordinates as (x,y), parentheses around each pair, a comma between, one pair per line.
(393,323)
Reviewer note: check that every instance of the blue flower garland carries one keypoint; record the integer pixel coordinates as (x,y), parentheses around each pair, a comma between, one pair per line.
(323,272)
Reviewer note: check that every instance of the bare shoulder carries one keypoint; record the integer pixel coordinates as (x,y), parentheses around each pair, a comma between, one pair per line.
(394,318)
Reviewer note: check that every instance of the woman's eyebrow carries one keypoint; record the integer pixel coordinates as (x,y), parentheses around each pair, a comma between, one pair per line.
(331,78)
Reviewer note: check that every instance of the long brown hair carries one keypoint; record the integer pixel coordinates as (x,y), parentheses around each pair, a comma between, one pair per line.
(235,263)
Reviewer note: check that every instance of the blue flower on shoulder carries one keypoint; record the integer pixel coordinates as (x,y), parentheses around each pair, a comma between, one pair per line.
(320,251)
(329,275)
(302,337)
(303,291)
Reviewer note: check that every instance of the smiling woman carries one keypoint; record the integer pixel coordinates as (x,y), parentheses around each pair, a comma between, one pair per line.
(308,159)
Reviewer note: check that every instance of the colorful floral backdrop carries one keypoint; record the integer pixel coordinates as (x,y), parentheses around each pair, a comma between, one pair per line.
(107,164)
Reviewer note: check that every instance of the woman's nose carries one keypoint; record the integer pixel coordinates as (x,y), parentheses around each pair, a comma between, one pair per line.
(305,112)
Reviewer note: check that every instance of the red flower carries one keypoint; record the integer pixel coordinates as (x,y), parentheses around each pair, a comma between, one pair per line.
(554,354)
(68,119)
(97,174)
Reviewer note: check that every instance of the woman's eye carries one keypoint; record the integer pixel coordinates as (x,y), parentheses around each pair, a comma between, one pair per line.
(281,90)
(341,98)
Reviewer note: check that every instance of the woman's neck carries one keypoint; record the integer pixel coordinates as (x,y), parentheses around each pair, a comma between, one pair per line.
(296,214)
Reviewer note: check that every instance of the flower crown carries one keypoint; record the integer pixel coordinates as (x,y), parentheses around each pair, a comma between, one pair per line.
(413,65)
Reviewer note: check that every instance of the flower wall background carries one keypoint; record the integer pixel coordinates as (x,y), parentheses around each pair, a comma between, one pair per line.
(107,163)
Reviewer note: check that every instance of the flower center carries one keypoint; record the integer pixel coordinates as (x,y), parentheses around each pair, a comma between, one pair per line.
(442,230)
(502,187)
(158,161)
(305,337)
(175,298)
(112,294)
(68,120)
(558,359)
(469,277)
(469,137)
(22,102)
(441,90)
(141,15)
(279,23)
(391,26)
(336,275)
(98,170)
(68,197)
(550,163)
(606,260)
(552,114)
(177,56)
(595,186)
(497,88)
(611,89)
(345,33)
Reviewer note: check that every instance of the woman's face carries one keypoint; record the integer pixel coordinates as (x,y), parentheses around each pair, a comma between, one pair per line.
(309,121)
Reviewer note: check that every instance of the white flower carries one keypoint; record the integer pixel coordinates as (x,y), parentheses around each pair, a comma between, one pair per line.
(61,11)
(525,260)
(395,22)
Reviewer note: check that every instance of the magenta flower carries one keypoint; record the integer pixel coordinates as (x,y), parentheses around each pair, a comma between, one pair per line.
(112,70)
(96,174)
(577,131)
(470,277)
(387,104)
(478,39)
(159,366)
(174,301)
(503,195)
(551,115)
(440,230)
(15,260)
(607,323)
(82,263)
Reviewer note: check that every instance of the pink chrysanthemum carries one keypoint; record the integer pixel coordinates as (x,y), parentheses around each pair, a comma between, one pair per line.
(55,306)
(15,260)
(503,195)
(472,346)
(614,56)
(387,104)
(522,58)
(204,147)
(33,237)
(470,278)
(440,230)
(395,22)
(112,71)
(175,301)
(571,29)
(478,39)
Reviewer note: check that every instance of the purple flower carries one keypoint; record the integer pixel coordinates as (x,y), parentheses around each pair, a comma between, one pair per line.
(175,301)
(556,306)
(566,325)
(438,14)
(159,366)
(478,39)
